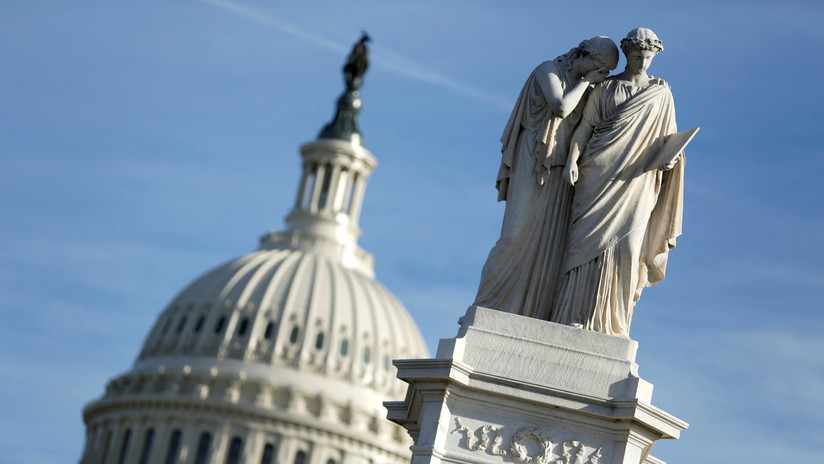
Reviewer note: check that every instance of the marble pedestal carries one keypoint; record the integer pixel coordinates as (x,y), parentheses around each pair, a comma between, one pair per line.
(510,388)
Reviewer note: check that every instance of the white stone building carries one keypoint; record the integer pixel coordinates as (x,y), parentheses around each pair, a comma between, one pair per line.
(280,356)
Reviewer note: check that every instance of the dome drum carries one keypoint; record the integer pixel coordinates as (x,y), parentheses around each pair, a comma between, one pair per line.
(116,426)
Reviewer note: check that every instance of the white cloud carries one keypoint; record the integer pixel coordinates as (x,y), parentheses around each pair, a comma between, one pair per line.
(398,64)
(261,17)
(382,57)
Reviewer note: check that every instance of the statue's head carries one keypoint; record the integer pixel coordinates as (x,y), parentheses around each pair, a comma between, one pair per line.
(641,38)
(601,50)
(640,46)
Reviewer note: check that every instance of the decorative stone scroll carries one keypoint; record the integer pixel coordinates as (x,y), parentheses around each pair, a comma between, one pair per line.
(489,438)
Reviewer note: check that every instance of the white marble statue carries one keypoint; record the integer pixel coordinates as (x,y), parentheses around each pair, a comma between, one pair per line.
(624,219)
(521,274)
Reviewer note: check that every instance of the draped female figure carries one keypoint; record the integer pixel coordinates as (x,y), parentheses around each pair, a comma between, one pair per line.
(624,219)
(520,273)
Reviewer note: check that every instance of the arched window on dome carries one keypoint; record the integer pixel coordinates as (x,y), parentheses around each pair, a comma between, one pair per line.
(124,448)
(300,458)
(181,324)
(220,323)
(199,323)
(166,326)
(344,347)
(242,327)
(331,461)
(367,354)
(235,448)
(293,336)
(270,327)
(106,446)
(203,445)
(147,446)
(387,362)
(173,454)
(319,341)
(268,454)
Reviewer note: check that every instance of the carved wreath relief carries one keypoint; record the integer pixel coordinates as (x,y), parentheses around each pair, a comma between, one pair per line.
(490,438)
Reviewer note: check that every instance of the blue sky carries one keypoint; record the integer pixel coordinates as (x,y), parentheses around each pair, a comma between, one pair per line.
(143,143)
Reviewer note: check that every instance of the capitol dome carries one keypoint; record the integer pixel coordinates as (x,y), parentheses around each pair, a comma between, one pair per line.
(280,356)
(294,309)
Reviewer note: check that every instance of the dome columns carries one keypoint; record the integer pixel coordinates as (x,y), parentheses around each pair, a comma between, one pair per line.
(332,186)
(324,219)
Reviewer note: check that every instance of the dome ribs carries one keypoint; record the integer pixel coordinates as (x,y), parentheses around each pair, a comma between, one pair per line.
(296,300)
(355,343)
(317,297)
(325,327)
(225,307)
(249,306)
(339,323)
(324,317)
(377,317)
(394,340)
(270,306)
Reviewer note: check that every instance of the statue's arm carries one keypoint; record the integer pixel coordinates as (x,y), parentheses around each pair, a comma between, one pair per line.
(560,103)
(577,144)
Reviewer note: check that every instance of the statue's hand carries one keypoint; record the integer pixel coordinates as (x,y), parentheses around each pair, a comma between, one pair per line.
(596,76)
(656,80)
(571,173)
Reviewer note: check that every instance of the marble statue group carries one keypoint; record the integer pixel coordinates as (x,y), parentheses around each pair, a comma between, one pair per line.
(542,369)
(588,222)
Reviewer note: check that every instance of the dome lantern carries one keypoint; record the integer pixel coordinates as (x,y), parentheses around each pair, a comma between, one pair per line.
(330,193)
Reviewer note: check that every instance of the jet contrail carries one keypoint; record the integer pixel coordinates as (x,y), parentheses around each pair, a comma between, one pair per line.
(382,57)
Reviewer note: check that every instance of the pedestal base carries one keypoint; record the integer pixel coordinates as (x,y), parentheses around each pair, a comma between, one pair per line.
(510,388)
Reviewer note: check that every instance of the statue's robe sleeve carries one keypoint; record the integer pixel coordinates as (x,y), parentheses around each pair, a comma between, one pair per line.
(665,223)
(531,111)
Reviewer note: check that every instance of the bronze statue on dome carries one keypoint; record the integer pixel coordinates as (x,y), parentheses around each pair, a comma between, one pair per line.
(345,124)
(357,63)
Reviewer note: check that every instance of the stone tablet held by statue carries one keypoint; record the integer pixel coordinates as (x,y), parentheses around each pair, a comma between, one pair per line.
(671,148)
